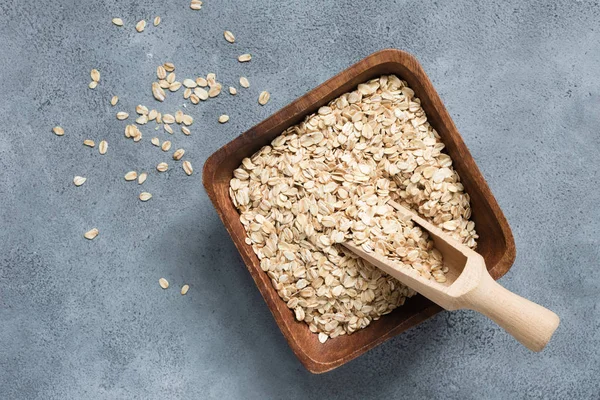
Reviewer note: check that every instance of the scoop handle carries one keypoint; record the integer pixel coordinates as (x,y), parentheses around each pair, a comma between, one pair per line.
(528,322)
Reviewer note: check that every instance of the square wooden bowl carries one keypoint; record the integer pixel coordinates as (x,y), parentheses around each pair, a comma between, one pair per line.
(496,243)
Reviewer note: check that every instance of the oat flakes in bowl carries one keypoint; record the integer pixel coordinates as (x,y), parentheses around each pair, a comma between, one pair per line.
(495,243)
(327,180)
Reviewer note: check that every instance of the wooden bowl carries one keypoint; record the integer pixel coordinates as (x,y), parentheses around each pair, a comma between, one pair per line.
(496,243)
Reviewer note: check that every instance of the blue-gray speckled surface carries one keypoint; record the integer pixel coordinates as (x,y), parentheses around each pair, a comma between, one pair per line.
(83,319)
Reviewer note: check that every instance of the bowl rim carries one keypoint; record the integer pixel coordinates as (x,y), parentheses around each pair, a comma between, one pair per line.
(302,105)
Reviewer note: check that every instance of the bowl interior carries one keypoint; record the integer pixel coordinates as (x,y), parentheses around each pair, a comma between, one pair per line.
(495,243)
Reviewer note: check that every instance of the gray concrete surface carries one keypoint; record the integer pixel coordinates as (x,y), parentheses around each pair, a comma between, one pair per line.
(87,320)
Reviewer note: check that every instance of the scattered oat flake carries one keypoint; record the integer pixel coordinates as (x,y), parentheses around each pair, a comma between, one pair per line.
(323,337)
(201,93)
(161,72)
(184,289)
(93,85)
(168,128)
(187,120)
(89,143)
(114,100)
(158,92)
(163,283)
(121,115)
(140,26)
(186,131)
(223,118)
(58,131)
(178,154)
(187,167)
(131,176)
(103,147)
(196,5)
(162,167)
(91,234)
(142,178)
(140,109)
(244,58)
(179,116)
(155,141)
(117,21)
(166,145)
(79,180)
(232,90)
(95,74)
(175,86)
(229,36)
(156,21)
(169,66)
(189,83)
(145,196)
(263,98)
(244,82)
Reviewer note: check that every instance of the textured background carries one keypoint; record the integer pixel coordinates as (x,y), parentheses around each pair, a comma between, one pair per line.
(81,319)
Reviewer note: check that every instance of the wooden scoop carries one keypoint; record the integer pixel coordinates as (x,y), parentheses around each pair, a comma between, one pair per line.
(469,285)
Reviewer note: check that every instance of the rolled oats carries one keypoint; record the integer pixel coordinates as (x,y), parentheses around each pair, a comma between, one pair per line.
(327,180)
